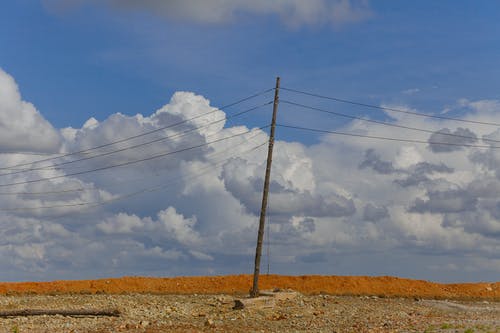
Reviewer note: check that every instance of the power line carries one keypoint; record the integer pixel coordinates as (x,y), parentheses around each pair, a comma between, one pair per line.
(144,133)
(206,170)
(43,207)
(45,192)
(17,152)
(57,165)
(129,162)
(211,155)
(386,123)
(386,138)
(246,99)
(390,109)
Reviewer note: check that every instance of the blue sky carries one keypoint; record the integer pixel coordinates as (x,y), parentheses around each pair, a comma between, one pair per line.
(106,60)
(356,206)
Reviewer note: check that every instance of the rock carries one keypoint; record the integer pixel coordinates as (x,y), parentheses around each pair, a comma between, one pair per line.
(256,302)
(209,323)
(310,313)
(223,300)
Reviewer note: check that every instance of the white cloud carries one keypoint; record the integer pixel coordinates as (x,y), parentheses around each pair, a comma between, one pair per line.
(181,228)
(407,156)
(121,224)
(22,128)
(332,203)
(201,256)
(291,12)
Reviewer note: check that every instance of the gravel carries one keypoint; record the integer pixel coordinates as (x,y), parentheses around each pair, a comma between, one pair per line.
(214,313)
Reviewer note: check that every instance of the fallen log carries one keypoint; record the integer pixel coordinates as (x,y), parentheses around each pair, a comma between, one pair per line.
(67,313)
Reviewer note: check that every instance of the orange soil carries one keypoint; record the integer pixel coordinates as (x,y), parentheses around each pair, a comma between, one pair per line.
(240,284)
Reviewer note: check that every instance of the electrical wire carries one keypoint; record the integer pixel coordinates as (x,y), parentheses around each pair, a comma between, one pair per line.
(388,108)
(211,155)
(386,138)
(45,192)
(16,152)
(177,135)
(206,170)
(144,133)
(129,162)
(386,123)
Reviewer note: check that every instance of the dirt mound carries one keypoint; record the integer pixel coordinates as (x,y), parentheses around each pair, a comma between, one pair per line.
(384,286)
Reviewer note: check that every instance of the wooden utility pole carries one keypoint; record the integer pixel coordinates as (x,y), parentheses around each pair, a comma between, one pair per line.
(258,251)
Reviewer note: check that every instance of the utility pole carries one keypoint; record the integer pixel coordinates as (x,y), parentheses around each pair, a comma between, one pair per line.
(258,251)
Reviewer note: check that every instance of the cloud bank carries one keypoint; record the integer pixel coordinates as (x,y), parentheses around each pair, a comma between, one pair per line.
(341,206)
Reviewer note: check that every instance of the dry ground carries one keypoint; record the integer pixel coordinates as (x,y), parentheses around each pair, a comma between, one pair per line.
(325,304)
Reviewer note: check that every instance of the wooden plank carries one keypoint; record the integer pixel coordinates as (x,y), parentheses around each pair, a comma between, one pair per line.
(70,313)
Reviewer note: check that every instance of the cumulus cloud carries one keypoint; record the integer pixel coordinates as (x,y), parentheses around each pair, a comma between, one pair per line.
(334,203)
(453,201)
(441,142)
(374,213)
(22,127)
(422,172)
(291,12)
(373,161)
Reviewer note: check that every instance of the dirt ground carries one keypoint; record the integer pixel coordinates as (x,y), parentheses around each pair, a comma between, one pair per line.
(384,286)
(196,304)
